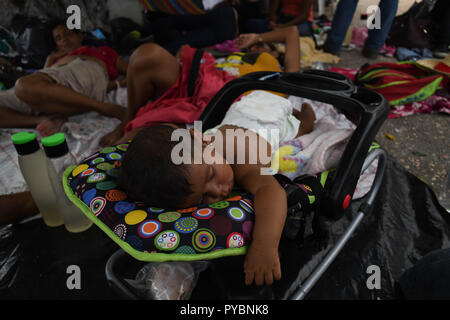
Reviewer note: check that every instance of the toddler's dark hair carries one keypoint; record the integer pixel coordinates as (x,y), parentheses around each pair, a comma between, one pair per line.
(148,173)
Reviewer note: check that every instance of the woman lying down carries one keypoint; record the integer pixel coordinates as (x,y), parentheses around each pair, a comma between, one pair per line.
(236,152)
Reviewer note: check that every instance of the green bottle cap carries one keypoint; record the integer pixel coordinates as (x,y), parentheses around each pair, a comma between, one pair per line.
(54,140)
(23,137)
(25,142)
(55,146)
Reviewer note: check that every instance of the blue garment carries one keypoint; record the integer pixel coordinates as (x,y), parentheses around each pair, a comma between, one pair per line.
(343,17)
(305,29)
(406,54)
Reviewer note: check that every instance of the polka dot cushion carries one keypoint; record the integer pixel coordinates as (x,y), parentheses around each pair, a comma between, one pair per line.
(156,234)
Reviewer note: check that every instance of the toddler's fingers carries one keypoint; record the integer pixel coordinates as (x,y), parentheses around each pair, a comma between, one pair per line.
(277,273)
(249,276)
(269,278)
(259,278)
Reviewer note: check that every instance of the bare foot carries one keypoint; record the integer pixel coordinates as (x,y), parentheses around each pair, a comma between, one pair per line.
(50,125)
(307,116)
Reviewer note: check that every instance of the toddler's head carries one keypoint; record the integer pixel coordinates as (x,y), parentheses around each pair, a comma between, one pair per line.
(150,174)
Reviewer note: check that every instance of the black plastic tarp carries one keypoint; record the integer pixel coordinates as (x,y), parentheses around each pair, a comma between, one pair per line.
(406,223)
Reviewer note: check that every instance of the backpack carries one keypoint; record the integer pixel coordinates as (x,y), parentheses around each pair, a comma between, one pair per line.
(413,28)
(402,82)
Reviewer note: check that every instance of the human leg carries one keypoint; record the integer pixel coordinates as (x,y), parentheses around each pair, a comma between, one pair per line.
(307,117)
(44,95)
(46,125)
(440,32)
(377,37)
(10,118)
(341,21)
(15,113)
(152,70)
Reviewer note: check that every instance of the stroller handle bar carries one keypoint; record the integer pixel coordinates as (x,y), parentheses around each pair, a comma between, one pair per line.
(367,109)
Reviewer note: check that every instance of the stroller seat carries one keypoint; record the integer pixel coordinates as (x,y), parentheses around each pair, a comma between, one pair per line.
(365,108)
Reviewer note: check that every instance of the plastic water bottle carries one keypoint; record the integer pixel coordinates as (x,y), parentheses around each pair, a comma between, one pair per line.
(58,159)
(33,165)
(318,65)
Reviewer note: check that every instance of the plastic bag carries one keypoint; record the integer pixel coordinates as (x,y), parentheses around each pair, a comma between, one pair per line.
(168,280)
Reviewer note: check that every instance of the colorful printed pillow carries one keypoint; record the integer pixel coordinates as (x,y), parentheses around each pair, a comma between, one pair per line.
(155,234)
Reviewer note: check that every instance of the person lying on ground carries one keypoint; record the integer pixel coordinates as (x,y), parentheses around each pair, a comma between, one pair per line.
(153,71)
(252,128)
(75,79)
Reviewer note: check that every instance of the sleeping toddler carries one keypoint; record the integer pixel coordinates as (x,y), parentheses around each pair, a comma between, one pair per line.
(233,153)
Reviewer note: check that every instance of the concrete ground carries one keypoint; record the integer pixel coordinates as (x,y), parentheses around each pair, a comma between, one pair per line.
(422,142)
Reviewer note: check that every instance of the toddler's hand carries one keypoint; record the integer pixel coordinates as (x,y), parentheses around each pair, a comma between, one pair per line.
(261,265)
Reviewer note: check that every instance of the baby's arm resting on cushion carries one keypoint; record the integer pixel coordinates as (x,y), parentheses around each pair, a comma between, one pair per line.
(262,263)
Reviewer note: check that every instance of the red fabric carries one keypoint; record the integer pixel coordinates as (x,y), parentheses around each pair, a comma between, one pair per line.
(403,90)
(416,78)
(434,103)
(350,73)
(106,54)
(407,68)
(174,105)
(442,67)
(294,8)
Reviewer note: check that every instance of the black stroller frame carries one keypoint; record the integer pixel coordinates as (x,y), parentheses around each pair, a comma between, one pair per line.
(367,109)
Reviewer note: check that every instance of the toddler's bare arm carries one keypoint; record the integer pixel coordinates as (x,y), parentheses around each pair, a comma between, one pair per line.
(262,264)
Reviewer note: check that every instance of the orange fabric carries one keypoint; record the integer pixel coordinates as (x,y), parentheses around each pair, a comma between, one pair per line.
(265,62)
(294,8)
